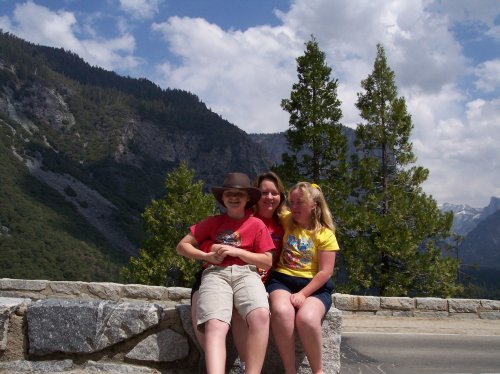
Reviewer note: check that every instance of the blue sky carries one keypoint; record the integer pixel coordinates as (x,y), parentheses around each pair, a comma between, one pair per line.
(239,56)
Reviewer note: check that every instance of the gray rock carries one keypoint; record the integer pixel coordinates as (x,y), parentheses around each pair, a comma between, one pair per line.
(68,288)
(110,368)
(22,284)
(23,366)
(464,305)
(490,304)
(185,315)
(7,306)
(165,346)
(431,303)
(397,303)
(179,293)
(139,291)
(78,326)
(355,303)
(106,291)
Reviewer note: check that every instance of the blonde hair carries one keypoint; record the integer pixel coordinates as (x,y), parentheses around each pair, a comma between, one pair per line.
(321,216)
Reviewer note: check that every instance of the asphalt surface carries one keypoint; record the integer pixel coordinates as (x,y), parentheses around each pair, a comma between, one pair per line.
(391,345)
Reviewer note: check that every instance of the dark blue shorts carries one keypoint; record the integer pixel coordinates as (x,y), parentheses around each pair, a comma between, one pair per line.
(280,281)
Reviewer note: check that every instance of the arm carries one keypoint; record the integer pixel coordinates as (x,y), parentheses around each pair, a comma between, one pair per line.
(206,246)
(326,263)
(188,247)
(262,260)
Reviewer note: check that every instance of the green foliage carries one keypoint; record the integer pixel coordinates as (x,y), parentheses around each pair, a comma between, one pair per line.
(167,222)
(390,232)
(390,239)
(318,147)
(41,235)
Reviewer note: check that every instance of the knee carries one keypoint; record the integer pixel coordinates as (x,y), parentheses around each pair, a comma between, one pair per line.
(258,318)
(308,319)
(282,310)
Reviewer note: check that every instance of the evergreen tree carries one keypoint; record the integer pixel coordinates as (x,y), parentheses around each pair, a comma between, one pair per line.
(317,145)
(167,222)
(392,247)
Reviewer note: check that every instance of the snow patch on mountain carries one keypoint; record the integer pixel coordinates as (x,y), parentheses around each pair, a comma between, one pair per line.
(466,218)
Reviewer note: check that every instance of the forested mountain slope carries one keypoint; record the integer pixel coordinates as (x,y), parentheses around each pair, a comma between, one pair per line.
(83,151)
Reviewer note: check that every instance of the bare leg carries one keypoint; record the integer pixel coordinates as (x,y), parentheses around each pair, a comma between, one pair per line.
(282,326)
(215,346)
(199,332)
(239,329)
(308,324)
(258,338)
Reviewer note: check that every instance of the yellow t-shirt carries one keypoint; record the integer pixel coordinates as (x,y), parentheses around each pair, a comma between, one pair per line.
(299,256)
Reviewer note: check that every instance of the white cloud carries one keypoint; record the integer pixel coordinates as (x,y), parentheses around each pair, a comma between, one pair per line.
(488,74)
(458,143)
(5,24)
(140,9)
(242,75)
(482,13)
(40,25)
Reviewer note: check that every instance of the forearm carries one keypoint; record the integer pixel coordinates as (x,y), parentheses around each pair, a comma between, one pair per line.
(316,283)
(261,260)
(190,251)
(189,247)
(326,264)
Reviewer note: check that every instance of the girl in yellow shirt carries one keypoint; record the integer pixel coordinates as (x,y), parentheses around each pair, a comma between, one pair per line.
(300,287)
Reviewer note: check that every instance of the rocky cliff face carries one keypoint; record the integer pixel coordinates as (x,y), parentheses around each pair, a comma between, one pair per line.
(105,148)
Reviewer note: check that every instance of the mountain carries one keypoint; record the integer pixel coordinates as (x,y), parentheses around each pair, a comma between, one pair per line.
(479,252)
(491,208)
(276,144)
(465,218)
(480,257)
(84,150)
(482,245)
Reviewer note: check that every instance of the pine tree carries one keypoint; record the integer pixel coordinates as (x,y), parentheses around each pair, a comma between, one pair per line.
(167,221)
(392,246)
(317,145)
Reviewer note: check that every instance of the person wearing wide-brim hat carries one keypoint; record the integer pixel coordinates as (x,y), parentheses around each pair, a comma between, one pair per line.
(242,243)
(237,181)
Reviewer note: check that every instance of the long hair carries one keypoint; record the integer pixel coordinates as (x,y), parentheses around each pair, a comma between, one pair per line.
(321,216)
(273,177)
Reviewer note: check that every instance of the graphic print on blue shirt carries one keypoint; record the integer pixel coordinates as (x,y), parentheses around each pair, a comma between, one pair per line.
(297,252)
(229,237)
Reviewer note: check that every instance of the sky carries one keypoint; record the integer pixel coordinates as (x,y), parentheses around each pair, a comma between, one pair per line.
(239,58)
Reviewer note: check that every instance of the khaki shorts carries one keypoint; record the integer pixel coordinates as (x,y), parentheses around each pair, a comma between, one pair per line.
(223,287)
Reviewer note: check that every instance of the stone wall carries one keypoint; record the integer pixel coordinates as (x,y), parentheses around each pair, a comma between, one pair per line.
(80,327)
(424,307)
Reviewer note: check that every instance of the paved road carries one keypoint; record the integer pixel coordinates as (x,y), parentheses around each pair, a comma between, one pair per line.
(378,345)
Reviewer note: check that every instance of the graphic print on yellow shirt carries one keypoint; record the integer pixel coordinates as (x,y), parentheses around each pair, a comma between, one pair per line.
(297,253)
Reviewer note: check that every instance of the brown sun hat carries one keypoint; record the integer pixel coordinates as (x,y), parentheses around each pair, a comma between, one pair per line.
(237,181)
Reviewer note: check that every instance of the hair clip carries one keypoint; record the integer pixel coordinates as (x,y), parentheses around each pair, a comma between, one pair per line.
(314,185)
